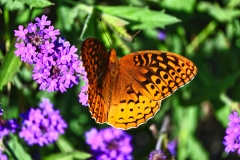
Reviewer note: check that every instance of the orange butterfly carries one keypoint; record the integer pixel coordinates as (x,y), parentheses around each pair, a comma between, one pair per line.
(126,92)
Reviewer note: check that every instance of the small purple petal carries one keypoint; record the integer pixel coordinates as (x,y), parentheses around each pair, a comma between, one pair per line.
(21,34)
(32,28)
(42,22)
(51,33)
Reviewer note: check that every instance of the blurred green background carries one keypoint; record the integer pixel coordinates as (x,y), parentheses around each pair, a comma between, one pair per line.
(207,32)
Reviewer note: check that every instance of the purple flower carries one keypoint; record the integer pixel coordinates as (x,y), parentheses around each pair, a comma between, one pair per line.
(83,96)
(157,155)
(161,35)
(109,143)
(43,125)
(42,22)
(8,126)
(232,139)
(51,33)
(56,64)
(21,33)
(3,156)
(172,147)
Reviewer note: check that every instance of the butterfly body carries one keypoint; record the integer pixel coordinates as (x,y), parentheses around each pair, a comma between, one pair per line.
(126,92)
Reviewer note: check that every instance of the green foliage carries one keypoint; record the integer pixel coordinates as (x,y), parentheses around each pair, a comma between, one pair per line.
(142,18)
(17,149)
(37,3)
(221,14)
(10,66)
(207,32)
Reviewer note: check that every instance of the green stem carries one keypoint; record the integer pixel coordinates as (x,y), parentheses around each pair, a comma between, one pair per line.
(225,99)
(201,37)
(6,26)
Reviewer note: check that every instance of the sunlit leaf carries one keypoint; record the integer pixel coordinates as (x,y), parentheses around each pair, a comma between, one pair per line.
(17,149)
(142,18)
(11,65)
(179,5)
(37,3)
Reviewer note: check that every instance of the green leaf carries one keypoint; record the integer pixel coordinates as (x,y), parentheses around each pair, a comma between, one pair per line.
(89,28)
(221,42)
(75,155)
(222,115)
(196,150)
(185,117)
(142,18)
(37,3)
(10,66)
(81,155)
(12,5)
(68,152)
(24,16)
(66,18)
(117,25)
(221,14)
(64,145)
(113,20)
(59,156)
(17,149)
(179,5)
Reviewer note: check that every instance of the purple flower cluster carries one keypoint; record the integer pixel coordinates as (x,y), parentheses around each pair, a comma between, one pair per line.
(109,143)
(232,139)
(56,66)
(42,126)
(7,126)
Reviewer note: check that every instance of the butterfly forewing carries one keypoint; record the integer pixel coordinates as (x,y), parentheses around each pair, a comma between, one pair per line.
(158,74)
(95,60)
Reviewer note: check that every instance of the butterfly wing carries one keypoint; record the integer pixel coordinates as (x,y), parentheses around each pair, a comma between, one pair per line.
(129,107)
(158,74)
(145,78)
(95,61)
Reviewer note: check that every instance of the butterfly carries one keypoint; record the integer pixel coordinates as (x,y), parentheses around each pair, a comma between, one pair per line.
(126,92)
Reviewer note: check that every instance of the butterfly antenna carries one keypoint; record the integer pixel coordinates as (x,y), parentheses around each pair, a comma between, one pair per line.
(105,32)
(129,39)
